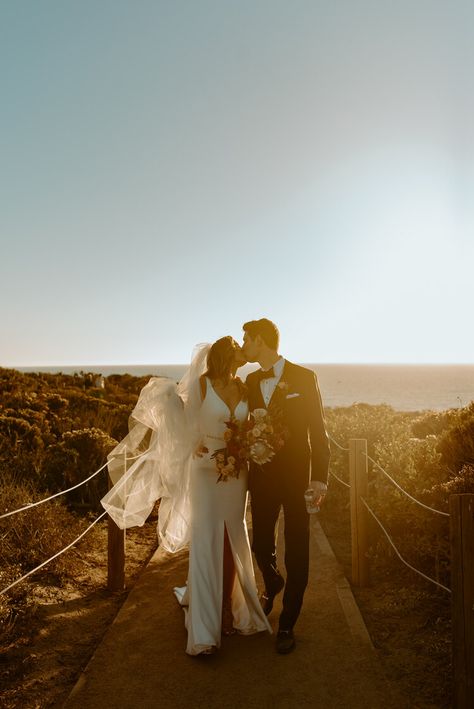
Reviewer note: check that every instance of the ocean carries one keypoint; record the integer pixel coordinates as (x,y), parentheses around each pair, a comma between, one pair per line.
(406,387)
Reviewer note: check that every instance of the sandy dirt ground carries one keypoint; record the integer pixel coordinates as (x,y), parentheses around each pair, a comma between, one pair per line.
(62,625)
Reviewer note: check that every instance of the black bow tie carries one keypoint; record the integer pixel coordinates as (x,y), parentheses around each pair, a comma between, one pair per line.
(266,375)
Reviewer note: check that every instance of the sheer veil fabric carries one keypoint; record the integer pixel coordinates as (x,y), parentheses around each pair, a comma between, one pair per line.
(154,460)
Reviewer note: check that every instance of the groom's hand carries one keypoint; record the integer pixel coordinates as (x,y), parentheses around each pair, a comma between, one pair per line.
(319,489)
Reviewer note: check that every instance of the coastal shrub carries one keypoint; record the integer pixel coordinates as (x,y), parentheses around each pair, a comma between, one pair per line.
(21,447)
(85,411)
(58,466)
(31,536)
(430,455)
(460,484)
(56,403)
(75,458)
(19,432)
(374,423)
(456,443)
(53,434)
(40,411)
(421,536)
(454,432)
(433,423)
(28,539)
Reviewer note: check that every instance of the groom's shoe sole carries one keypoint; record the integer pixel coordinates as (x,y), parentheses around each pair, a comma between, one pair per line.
(267,599)
(285,642)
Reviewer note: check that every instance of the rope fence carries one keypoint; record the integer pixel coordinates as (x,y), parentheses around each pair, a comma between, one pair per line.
(338,445)
(394,482)
(413,499)
(51,497)
(420,573)
(333,475)
(51,558)
(390,540)
(461,534)
(69,489)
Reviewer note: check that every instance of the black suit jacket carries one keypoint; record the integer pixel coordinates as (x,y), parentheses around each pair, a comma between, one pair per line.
(305,454)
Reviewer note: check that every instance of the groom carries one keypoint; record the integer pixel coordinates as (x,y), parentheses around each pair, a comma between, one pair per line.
(292,393)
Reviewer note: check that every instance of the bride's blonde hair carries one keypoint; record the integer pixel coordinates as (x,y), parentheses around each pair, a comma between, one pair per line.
(221,357)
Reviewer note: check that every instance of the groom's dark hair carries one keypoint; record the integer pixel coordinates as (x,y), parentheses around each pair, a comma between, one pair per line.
(267,330)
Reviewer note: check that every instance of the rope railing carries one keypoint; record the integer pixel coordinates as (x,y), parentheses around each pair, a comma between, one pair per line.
(51,558)
(418,502)
(51,497)
(370,510)
(420,573)
(399,487)
(64,492)
(338,445)
(338,479)
(134,457)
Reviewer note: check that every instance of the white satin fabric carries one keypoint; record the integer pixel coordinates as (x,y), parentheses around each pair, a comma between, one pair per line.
(215,506)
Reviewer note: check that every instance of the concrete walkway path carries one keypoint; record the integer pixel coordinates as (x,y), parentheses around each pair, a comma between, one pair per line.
(141,663)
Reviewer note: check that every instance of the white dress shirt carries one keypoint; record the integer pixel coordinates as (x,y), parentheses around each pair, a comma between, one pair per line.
(268,386)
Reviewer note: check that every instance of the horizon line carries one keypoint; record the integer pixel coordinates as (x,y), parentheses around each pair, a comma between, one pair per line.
(185,364)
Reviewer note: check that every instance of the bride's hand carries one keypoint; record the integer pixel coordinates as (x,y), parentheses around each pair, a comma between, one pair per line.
(200,451)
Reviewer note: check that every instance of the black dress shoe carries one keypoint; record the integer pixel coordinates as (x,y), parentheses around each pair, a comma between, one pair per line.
(285,642)
(267,598)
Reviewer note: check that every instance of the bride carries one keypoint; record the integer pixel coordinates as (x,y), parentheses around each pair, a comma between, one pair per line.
(174,432)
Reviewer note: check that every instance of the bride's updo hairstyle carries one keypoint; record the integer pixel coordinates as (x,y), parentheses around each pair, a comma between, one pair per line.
(221,357)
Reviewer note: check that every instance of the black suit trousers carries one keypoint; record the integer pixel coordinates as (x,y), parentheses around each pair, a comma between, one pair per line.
(269,493)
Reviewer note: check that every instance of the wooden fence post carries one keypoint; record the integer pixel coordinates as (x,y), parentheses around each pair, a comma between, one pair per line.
(116,550)
(461,508)
(359,486)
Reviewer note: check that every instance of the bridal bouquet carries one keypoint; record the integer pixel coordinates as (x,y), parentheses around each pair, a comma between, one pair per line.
(257,439)
(233,458)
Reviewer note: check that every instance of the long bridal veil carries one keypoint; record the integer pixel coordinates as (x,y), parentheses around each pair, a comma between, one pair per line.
(153,461)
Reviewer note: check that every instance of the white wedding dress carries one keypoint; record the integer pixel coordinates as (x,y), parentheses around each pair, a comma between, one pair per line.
(215,506)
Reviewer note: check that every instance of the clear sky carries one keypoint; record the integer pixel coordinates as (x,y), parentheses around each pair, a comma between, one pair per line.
(170,170)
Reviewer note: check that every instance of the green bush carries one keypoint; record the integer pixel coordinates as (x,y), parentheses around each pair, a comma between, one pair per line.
(75,458)
(456,442)
(29,538)
(430,455)
(38,411)
(53,435)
